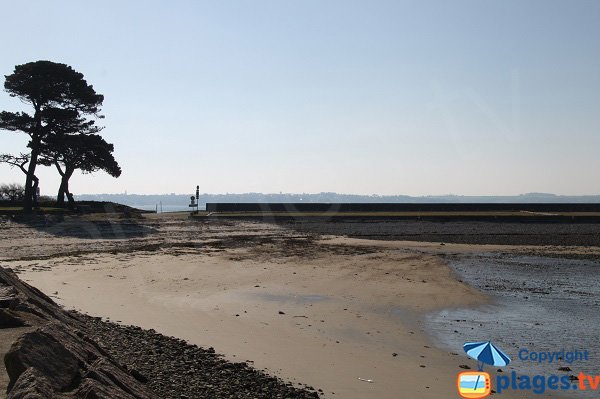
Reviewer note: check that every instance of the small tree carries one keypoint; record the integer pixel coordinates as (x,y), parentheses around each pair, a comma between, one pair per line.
(68,153)
(61,100)
(12,192)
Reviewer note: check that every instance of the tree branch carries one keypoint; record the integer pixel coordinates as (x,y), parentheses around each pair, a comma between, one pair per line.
(15,160)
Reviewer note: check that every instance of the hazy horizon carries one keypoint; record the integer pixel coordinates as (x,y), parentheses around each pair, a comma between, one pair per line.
(331,193)
(419,98)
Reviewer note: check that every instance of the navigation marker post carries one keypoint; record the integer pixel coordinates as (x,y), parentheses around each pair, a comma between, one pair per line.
(195,201)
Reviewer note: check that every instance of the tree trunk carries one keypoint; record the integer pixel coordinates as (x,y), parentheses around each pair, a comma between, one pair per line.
(30,194)
(71,200)
(60,199)
(66,177)
(36,184)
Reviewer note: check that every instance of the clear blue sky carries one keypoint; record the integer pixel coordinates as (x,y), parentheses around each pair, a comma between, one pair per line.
(387,97)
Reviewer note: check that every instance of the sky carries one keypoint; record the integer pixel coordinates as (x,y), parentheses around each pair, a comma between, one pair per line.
(474,97)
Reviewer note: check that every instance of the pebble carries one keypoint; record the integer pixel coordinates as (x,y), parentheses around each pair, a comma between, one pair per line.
(174,369)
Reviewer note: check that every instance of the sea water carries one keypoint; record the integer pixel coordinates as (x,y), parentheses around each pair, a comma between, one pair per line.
(539,304)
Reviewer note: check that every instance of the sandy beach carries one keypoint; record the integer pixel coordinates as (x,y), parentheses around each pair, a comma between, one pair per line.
(343,315)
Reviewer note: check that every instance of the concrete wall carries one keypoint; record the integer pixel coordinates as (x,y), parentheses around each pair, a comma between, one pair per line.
(399,207)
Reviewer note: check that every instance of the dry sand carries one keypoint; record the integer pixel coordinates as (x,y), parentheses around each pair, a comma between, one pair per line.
(325,311)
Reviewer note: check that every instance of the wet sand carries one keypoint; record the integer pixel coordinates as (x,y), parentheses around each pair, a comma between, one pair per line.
(459,232)
(322,310)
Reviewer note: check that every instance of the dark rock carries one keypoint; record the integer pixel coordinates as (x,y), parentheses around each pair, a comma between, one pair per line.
(138,376)
(43,352)
(7,296)
(32,385)
(9,319)
(58,359)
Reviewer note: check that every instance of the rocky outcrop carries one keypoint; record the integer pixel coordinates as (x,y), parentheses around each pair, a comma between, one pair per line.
(56,358)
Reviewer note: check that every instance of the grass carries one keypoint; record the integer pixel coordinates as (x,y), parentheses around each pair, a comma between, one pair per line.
(19,209)
(84,208)
(10,208)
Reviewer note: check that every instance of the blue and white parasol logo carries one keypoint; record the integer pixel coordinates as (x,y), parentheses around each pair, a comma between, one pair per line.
(486,353)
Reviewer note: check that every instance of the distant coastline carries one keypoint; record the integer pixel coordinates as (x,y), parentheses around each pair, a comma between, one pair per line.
(179,202)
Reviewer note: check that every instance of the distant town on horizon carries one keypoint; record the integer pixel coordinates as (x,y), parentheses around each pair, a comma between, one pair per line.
(148,201)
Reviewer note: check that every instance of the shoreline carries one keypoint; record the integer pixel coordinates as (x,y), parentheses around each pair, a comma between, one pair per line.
(355,300)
